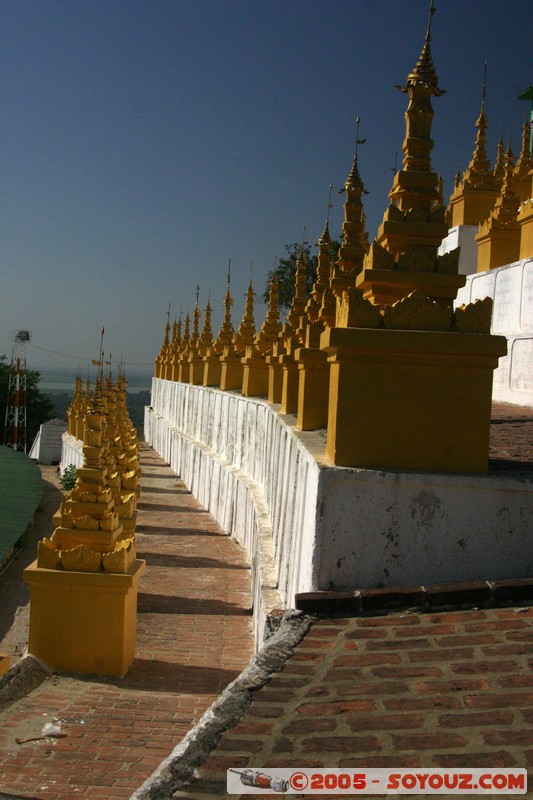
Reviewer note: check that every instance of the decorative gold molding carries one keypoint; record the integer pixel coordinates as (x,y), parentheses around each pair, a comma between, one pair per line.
(378,258)
(353,311)
(417,313)
(417,259)
(475,317)
(81,559)
(449,262)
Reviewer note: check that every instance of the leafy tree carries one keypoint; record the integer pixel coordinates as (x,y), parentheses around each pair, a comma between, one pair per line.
(286,271)
(39,406)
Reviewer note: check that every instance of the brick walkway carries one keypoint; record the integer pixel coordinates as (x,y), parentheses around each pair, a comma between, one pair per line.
(194,636)
(511,439)
(451,689)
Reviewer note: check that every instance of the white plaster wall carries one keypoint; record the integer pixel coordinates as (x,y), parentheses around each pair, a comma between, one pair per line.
(308,525)
(511,288)
(71,452)
(48,443)
(392,528)
(462,236)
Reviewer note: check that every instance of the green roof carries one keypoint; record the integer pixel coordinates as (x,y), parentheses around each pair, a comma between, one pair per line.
(20,493)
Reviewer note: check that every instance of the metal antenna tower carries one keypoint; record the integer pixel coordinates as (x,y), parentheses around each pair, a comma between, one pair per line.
(15,419)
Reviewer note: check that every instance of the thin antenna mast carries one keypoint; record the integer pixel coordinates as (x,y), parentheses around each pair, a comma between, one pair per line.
(15,428)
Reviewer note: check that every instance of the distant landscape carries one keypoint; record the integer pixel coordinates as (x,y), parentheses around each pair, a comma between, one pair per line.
(59,386)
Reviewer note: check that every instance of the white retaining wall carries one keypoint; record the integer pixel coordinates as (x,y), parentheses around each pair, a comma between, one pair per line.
(511,288)
(308,525)
(71,452)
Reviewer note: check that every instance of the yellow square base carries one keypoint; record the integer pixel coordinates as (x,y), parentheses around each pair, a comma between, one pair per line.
(313,389)
(410,400)
(255,377)
(83,622)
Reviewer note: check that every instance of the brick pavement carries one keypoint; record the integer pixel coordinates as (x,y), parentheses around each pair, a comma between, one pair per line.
(194,636)
(511,438)
(450,689)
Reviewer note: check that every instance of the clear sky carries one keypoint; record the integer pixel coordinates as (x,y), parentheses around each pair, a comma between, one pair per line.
(145,142)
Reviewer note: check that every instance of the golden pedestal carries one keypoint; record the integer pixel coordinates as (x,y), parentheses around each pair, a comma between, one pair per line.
(4,664)
(212,371)
(183,371)
(525,220)
(231,373)
(289,393)
(382,286)
(497,247)
(410,400)
(196,371)
(471,206)
(83,621)
(275,379)
(254,377)
(313,389)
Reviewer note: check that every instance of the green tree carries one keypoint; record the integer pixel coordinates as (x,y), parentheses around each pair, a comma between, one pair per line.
(286,271)
(39,406)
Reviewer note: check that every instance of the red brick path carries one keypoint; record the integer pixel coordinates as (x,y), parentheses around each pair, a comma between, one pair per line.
(194,636)
(451,689)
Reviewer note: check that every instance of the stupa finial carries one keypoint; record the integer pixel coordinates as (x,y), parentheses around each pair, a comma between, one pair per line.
(478,172)
(424,74)
(325,238)
(484,93)
(354,178)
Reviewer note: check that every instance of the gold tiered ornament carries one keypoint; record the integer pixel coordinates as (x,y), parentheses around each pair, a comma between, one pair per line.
(85,580)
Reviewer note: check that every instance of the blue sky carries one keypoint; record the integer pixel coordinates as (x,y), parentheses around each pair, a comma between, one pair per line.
(145,142)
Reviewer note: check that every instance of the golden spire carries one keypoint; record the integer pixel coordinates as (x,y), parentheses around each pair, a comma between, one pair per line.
(271,327)
(354,246)
(478,173)
(174,344)
(457,179)
(354,179)
(508,203)
(228,299)
(323,274)
(245,335)
(422,82)
(161,357)
(299,300)
(323,269)
(186,334)
(206,338)
(324,239)
(196,314)
(424,74)
(226,332)
(525,162)
(499,166)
